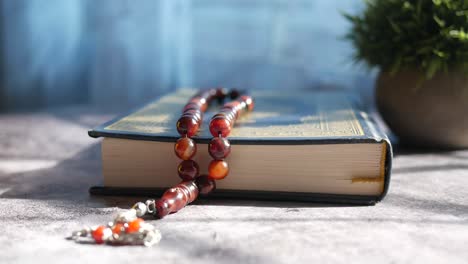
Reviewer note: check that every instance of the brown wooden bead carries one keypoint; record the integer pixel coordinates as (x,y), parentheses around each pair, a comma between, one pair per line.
(220,126)
(218,169)
(176,198)
(185,148)
(205,184)
(219,148)
(187,125)
(188,170)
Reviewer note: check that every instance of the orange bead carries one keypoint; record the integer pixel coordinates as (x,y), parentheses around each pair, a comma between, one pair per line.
(134,225)
(185,148)
(98,234)
(218,169)
(220,125)
(117,228)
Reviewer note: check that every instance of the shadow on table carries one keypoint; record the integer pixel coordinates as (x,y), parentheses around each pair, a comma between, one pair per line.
(70,180)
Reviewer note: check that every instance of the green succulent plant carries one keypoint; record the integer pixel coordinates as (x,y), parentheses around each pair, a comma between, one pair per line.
(427,35)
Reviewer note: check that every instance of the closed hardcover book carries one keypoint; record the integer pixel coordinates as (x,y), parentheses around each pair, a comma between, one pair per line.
(308,146)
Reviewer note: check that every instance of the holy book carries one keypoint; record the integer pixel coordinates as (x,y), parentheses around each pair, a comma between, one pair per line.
(300,146)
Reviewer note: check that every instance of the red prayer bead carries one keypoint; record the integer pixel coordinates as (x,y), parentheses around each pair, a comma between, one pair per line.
(249,101)
(218,169)
(198,99)
(205,184)
(201,102)
(190,106)
(194,112)
(176,198)
(232,105)
(187,125)
(219,148)
(207,92)
(207,95)
(229,114)
(162,208)
(220,125)
(188,170)
(242,107)
(185,148)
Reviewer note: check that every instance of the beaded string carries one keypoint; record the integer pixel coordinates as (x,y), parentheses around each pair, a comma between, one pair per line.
(128,228)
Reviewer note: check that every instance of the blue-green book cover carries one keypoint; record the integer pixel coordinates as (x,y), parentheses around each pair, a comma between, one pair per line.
(345,157)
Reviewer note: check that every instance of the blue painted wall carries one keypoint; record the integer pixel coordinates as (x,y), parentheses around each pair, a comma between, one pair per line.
(114,51)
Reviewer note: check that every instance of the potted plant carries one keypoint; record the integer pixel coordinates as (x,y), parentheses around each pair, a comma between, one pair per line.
(421,49)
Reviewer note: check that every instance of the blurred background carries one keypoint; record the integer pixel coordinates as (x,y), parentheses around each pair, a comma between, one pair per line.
(111,52)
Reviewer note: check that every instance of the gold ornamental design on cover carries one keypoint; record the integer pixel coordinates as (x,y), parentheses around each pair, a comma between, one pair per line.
(307,115)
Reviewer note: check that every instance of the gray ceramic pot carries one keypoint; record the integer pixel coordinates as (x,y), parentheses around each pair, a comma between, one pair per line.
(433,114)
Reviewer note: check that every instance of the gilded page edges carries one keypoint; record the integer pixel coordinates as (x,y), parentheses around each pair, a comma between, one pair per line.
(382,165)
(381,178)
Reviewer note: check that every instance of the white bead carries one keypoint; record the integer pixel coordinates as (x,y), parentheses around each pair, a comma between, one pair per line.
(152,237)
(107,233)
(140,208)
(126,216)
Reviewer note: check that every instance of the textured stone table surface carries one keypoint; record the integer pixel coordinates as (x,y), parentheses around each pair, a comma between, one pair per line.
(47,163)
